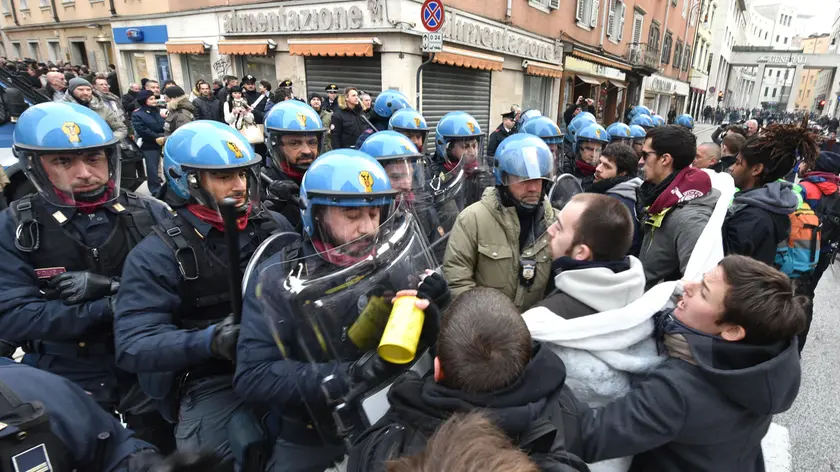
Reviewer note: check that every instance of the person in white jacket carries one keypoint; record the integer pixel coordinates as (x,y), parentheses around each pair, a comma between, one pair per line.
(582,321)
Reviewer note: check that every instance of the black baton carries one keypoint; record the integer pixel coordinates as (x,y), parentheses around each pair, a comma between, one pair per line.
(228,210)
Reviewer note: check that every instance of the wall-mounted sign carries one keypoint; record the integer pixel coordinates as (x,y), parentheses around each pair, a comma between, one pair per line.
(289,20)
(484,34)
(661,85)
(134,35)
(579,65)
(781,59)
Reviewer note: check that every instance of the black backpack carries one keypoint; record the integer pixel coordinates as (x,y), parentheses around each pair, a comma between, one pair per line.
(830,219)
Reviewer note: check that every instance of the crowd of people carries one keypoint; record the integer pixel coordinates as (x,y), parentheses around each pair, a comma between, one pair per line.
(595,299)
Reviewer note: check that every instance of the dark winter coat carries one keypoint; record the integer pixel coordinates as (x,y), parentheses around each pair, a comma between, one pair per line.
(181,112)
(420,405)
(706,410)
(758,221)
(129,102)
(347,125)
(208,109)
(259,109)
(496,138)
(148,124)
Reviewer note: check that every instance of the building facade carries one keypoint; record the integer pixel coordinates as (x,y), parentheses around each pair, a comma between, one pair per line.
(811,90)
(727,85)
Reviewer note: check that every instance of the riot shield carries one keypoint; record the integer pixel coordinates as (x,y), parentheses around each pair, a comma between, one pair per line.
(337,302)
(565,187)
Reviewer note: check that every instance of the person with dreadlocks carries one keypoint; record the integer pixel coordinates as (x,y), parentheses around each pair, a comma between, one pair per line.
(758,219)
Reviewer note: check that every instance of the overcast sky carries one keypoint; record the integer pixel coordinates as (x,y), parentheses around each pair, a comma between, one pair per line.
(823,11)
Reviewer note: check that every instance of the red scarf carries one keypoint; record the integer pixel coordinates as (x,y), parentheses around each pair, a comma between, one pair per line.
(291,172)
(328,252)
(214,219)
(449,165)
(688,184)
(584,168)
(87,207)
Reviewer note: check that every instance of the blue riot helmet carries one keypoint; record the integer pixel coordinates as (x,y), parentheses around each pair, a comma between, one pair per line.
(198,151)
(584,115)
(577,124)
(343,196)
(640,110)
(68,153)
(403,163)
(657,120)
(644,121)
(620,133)
(589,142)
(545,128)
(685,120)
(411,123)
(524,157)
(459,139)
(638,133)
(527,115)
(295,133)
(389,102)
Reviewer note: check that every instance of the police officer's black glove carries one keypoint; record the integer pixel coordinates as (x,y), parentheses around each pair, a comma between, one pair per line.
(80,287)
(435,289)
(283,190)
(181,461)
(372,369)
(225,335)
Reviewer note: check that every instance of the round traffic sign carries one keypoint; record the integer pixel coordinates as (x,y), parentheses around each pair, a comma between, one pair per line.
(431,14)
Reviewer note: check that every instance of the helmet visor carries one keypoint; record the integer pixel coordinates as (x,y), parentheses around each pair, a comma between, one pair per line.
(468,151)
(294,150)
(210,187)
(590,151)
(68,178)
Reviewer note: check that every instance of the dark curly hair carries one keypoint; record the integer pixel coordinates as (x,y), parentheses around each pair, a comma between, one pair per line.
(778,148)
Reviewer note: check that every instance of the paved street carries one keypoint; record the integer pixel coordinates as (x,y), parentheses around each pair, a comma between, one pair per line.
(807,439)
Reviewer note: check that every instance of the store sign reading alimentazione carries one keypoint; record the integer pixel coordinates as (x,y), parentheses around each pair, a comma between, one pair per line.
(286,20)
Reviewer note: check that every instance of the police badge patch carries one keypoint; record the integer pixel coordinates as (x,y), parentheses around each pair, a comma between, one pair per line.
(471,126)
(416,121)
(302,120)
(237,153)
(35,459)
(72,131)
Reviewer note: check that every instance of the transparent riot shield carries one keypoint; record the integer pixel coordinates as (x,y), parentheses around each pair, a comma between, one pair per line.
(331,306)
(565,187)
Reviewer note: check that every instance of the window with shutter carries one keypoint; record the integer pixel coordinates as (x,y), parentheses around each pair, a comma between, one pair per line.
(554,4)
(666,48)
(593,20)
(581,10)
(685,8)
(611,19)
(622,12)
(638,24)
(687,57)
(677,54)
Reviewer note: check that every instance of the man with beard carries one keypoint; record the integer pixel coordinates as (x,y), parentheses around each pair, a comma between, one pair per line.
(207,106)
(485,360)
(678,202)
(500,241)
(294,133)
(63,250)
(316,103)
(174,326)
(615,176)
(256,100)
(81,92)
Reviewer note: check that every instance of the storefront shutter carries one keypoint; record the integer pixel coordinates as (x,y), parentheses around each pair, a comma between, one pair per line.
(447,88)
(364,73)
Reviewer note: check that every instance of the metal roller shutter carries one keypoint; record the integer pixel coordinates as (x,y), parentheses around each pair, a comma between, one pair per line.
(364,73)
(447,88)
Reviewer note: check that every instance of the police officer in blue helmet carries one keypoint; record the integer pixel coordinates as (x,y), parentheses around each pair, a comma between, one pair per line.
(56,426)
(620,133)
(638,134)
(545,128)
(63,250)
(175,328)
(525,116)
(685,120)
(657,120)
(295,135)
(386,104)
(523,173)
(589,142)
(314,311)
(582,120)
(645,121)
(458,141)
(410,123)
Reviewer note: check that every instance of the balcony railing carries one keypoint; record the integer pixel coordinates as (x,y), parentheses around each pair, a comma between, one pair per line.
(642,55)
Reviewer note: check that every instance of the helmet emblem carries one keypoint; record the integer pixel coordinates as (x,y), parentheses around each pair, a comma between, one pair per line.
(72,131)
(237,153)
(471,126)
(366,180)
(627,131)
(301,119)
(598,133)
(417,121)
